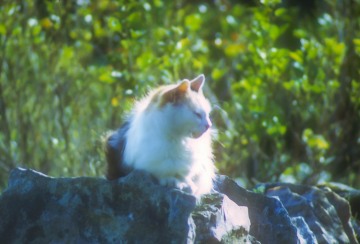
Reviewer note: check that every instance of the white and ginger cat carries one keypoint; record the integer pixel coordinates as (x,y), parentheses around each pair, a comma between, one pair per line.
(167,134)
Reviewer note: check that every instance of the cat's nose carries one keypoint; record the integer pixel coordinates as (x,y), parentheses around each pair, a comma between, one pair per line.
(208,125)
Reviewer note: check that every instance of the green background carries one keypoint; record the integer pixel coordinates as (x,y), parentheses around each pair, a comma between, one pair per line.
(283,77)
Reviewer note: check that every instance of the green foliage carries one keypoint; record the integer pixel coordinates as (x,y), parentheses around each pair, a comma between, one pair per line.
(70,70)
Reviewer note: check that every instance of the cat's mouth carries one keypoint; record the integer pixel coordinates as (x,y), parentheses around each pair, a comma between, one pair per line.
(196,135)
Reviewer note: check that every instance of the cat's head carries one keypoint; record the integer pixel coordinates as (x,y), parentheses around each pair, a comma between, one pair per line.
(184,107)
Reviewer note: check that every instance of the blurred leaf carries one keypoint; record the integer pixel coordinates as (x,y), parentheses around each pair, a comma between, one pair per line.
(218,73)
(106,76)
(193,22)
(2,29)
(232,50)
(115,102)
(280,12)
(296,56)
(46,23)
(114,24)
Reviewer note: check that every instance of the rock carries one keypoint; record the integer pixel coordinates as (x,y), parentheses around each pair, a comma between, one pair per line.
(323,216)
(218,219)
(352,195)
(40,209)
(288,213)
(270,222)
(36,208)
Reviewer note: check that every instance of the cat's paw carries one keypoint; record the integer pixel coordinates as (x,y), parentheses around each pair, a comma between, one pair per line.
(175,182)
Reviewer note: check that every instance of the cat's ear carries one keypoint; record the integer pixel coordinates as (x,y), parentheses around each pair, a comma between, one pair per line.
(197,83)
(176,94)
(183,86)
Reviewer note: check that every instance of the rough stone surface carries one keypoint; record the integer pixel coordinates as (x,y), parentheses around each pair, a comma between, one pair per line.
(36,208)
(134,209)
(270,222)
(288,213)
(223,221)
(324,216)
(352,196)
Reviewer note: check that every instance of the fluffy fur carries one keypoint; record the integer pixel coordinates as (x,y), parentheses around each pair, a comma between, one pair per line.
(168,134)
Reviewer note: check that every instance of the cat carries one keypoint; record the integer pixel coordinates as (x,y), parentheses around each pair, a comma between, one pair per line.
(169,135)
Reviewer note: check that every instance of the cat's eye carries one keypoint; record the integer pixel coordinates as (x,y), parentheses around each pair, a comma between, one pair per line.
(198,114)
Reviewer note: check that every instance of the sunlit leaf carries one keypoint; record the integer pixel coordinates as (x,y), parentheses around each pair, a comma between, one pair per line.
(114,24)
(193,22)
(115,102)
(106,77)
(232,50)
(46,23)
(218,73)
(280,11)
(296,56)
(2,29)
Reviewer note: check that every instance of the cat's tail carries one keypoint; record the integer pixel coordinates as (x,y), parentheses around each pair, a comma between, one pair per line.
(114,145)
